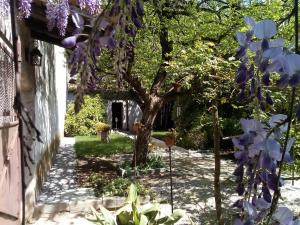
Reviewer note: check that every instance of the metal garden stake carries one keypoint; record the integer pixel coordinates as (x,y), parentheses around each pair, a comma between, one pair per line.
(170,141)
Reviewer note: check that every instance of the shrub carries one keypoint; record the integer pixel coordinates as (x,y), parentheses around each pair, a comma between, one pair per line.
(100,127)
(83,123)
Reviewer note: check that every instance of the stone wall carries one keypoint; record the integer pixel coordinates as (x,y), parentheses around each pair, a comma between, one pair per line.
(43,92)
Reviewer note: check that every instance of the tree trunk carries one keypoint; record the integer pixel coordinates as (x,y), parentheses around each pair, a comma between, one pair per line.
(143,138)
(217,185)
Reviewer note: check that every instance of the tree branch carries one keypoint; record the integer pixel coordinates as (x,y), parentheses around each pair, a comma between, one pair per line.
(135,82)
(166,47)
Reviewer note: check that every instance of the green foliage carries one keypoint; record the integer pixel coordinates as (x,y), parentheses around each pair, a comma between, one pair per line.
(133,214)
(92,146)
(105,186)
(159,134)
(100,127)
(83,123)
(295,132)
(153,162)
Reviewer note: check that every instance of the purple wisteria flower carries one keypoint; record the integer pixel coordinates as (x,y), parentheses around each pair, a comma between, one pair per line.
(4,8)
(259,151)
(270,57)
(24,7)
(57,15)
(91,6)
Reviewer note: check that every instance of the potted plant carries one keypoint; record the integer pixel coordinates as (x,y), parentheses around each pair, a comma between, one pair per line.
(170,138)
(103,130)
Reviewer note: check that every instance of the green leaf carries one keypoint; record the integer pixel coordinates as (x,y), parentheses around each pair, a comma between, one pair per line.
(144,220)
(97,215)
(151,212)
(125,218)
(136,216)
(107,216)
(132,194)
(171,219)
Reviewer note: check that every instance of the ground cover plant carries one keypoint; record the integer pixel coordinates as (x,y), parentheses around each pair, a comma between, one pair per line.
(92,146)
(113,186)
(153,165)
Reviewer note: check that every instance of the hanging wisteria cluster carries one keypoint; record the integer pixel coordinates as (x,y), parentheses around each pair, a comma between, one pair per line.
(260,148)
(112,26)
(57,15)
(58,11)
(270,57)
(4,7)
(114,29)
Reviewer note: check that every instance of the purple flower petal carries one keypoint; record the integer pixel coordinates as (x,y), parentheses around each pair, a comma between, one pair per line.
(77,20)
(266,194)
(269,99)
(266,79)
(240,189)
(264,45)
(265,29)
(238,221)
(283,215)
(294,80)
(241,38)
(250,209)
(272,53)
(255,46)
(262,204)
(249,21)
(241,76)
(69,42)
(283,81)
(139,7)
(241,53)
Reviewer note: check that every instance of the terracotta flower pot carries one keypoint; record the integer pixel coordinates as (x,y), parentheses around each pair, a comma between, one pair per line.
(169,141)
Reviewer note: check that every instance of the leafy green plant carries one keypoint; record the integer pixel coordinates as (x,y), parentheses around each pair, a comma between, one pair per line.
(153,162)
(133,214)
(83,123)
(113,187)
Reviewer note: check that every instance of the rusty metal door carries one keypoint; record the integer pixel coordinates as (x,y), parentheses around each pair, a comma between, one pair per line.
(10,157)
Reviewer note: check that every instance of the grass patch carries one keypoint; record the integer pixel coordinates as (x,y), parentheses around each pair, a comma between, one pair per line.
(92,146)
(160,134)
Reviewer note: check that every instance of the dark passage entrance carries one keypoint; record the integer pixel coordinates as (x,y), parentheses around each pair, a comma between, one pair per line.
(117,109)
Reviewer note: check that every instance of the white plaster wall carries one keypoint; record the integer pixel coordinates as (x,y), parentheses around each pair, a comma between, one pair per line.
(134,113)
(43,92)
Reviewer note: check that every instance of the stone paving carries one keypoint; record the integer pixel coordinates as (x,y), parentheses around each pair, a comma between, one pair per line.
(192,185)
(60,185)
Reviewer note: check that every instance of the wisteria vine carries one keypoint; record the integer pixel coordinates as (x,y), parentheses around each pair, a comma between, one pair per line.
(263,147)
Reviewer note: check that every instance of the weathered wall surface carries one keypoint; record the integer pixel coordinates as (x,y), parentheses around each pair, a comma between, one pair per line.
(134,113)
(43,92)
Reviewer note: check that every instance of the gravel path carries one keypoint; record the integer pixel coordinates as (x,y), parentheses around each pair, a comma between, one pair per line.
(192,185)
(60,185)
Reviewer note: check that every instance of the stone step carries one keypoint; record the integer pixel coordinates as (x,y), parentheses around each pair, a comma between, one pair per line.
(80,205)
